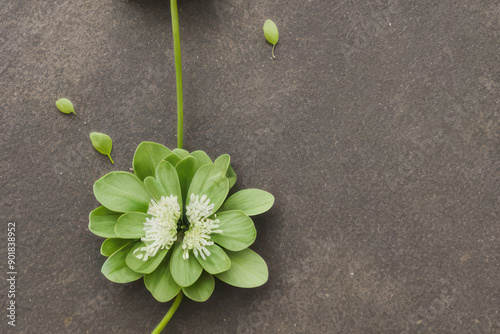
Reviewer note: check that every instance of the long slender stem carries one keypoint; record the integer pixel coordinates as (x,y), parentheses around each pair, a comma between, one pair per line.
(178,71)
(169,314)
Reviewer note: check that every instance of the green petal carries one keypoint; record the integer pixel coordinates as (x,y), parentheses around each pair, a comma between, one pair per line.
(271,32)
(155,188)
(116,270)
(185,272)
(101,142)
(238,231)
(131,225)
(181,153)
(65,106)
(160,282)
(202,157)
(102,222)
(111,245)
(186,169)
(202,289)
(211,182)
(147,156)
(167,176)
(251,201)
(148,266)
(223,163)
(173,159)
(248,270)
(217,262)
(122,192)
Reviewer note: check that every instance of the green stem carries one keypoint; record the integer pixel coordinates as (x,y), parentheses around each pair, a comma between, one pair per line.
(170,312)
(111,159)
(178,70)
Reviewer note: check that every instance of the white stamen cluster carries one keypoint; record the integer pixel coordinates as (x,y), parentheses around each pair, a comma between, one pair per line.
(161,230)
(200,228)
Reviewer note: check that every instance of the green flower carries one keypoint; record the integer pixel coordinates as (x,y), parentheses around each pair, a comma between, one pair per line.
(172,224)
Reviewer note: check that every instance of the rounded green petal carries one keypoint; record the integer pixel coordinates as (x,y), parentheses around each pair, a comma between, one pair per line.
(186,169)
(251,201)
(223,162)
(65,106)
(271,32)
(101,142)
(202,158)
(173,159)
(181,153)
(102,222)
(185,272)
(131,225)
(116,270)
(147,156)
(167,176)
(111,245)
(216,262)
(202,289)
(155,188)
(248,270)
(238,230)
(122,192)
(209,181)
(148,266)
(160,282)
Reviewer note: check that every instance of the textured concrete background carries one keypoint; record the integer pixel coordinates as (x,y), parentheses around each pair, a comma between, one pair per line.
(376,128)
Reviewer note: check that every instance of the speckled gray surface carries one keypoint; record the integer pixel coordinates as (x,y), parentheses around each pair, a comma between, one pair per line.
(376,128)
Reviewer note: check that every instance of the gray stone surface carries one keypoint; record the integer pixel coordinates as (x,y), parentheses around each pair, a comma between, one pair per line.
(376,128)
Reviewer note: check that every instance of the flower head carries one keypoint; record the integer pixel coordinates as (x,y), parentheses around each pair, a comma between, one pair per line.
(173,205)
(161,230)
(198,235)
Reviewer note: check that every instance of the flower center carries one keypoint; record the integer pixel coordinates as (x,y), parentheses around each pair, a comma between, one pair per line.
(197,238)
(161,229)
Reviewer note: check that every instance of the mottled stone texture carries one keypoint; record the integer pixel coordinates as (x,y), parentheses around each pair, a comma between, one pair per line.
(376,128)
